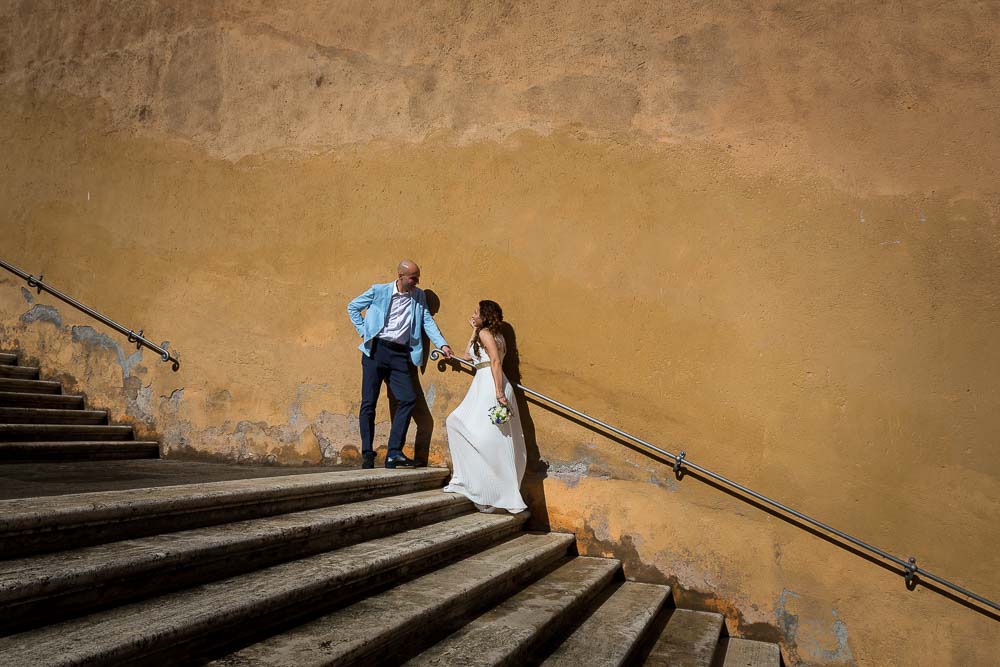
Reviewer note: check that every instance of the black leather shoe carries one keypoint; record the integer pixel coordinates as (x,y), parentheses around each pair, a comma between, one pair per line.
(399,460)
(367,461)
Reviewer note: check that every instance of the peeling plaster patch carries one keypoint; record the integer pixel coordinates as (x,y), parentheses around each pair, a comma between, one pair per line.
(663,481)
(843,652)
(139,399)
(572,471)
(600,529)
(248,434)
(144,400)
(28,296)
(430,395)
(295,409)
(321,440)
(806,649)
(90,336)
(326,448)
(787,621)
(175,431)
(662,476)
(569,473)
(330,428)
(42,313)
(328,431)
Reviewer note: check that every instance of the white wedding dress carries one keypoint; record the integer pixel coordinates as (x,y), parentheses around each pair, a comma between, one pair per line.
(488,460)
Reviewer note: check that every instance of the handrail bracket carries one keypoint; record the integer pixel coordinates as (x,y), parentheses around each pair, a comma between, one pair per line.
(910,572)
(679,464)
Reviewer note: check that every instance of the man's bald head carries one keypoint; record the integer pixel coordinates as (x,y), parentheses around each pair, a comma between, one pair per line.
(408,275)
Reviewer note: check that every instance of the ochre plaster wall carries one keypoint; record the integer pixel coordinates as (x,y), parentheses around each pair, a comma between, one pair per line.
(764,233)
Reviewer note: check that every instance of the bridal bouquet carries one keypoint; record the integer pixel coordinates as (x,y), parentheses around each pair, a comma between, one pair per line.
(499,414)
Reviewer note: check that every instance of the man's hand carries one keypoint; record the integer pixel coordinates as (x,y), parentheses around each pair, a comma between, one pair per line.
(446,350)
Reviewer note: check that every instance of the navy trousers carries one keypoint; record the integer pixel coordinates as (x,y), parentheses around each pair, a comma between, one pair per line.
(390,362)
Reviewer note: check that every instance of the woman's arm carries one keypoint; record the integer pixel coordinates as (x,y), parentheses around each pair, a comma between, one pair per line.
(496,364)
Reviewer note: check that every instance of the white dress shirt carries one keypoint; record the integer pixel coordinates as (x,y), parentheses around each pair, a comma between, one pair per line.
(397,326)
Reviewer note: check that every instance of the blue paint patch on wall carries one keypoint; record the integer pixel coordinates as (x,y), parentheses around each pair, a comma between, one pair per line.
(843,651)
(28,296)
(789,624)
(787,621)
(295,417)
(572,472)
(90,336)
(40,313)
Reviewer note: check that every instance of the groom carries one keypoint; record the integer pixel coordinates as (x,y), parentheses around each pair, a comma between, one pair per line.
(391,330)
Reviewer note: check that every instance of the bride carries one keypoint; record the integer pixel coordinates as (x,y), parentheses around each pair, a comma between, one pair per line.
(488,459)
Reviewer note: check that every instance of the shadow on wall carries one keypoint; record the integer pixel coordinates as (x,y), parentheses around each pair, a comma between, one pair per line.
(422,418)
(532,487)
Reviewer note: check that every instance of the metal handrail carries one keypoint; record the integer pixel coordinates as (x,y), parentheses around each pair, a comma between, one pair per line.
(910,570)
(133,336)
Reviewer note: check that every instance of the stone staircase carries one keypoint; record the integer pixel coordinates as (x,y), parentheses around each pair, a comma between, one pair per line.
(327,568)
(39,422)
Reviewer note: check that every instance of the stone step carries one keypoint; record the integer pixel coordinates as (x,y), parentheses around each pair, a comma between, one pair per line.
(44,589)
(413,614)
(689,639)
(58,478)
(514,630)
(12,399)
(62,432)
(18,372)
(614,632)
(8,359)
(173,628)
(80,450)
(32,386)
(747,653)
(30,525)
(9,415)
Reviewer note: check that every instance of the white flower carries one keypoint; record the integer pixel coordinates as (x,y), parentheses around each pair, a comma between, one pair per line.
(499,414)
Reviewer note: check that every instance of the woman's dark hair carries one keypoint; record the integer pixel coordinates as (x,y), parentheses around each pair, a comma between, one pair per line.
(492,316)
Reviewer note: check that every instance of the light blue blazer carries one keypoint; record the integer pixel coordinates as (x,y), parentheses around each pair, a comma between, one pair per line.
(376,300)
